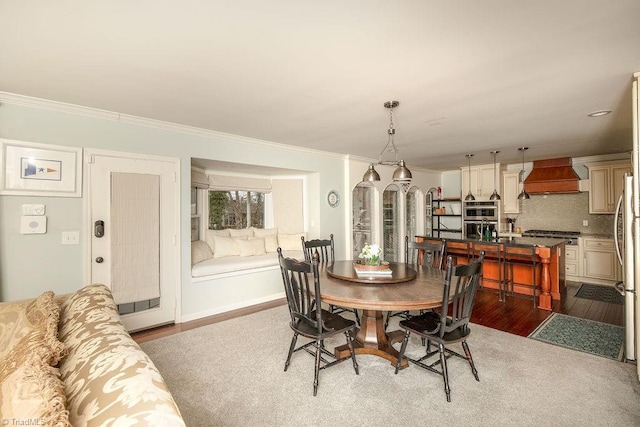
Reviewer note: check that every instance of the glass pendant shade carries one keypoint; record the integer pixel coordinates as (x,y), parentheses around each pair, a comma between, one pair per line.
(371,174)
(494,195)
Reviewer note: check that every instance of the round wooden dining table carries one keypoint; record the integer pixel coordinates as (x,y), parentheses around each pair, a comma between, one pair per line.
(340,285)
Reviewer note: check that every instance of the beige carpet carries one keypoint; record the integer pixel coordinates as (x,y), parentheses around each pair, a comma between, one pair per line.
(231,374)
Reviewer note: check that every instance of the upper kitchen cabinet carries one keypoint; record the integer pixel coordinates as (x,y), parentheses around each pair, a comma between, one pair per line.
(605,185)
(480,180)
(510,191)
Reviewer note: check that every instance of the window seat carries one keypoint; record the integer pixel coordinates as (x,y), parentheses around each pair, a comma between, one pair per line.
(230,250)
(212,266)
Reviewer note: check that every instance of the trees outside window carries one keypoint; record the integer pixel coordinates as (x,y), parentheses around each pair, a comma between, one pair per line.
(236,209)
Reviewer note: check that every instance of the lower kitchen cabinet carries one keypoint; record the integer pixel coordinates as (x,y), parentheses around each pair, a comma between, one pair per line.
(572,259)
(599,259)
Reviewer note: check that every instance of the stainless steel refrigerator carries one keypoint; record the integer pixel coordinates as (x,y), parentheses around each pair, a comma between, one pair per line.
(630,230)
(626,250)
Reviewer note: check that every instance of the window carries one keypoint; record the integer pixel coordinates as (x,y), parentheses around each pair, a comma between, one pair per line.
(391,223)
(411,213)
(362,216)
(236,209)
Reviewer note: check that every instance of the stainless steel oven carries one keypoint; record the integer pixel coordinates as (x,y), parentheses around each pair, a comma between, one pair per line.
(481,210)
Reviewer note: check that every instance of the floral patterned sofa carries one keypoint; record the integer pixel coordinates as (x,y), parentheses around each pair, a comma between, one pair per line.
(68,361)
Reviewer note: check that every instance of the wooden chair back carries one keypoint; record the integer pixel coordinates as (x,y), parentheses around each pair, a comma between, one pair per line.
(427,252)
(323,247)
(302,294)
(460,286)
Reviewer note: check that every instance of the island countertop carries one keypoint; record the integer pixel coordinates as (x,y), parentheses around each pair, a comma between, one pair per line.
(550,252)
(539,242)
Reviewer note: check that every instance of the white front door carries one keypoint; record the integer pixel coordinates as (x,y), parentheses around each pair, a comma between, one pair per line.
(132,220)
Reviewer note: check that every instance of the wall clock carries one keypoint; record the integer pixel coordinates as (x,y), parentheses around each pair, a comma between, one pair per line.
(333,198)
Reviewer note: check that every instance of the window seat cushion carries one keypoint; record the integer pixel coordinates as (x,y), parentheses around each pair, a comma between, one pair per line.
(230,264)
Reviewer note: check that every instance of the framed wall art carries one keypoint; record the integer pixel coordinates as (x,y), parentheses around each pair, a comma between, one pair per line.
(33,169)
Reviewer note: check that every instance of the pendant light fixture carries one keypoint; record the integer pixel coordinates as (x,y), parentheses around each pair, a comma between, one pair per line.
(469,195)
(523,194)
(402,175)
(494,195)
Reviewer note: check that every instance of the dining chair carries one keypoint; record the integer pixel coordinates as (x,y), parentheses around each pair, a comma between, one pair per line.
(324,248)
(308,318)
(427,252)
(444,329)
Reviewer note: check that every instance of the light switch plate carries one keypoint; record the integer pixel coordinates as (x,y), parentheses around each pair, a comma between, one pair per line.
(38,209)
(70,238)
(33,224)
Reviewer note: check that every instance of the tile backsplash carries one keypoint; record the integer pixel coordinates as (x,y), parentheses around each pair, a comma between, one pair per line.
(564,212)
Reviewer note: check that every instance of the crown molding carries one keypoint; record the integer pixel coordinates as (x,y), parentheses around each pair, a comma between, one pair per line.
(45,104)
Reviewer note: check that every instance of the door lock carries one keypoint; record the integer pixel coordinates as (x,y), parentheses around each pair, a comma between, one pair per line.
(98,228)
(99,260)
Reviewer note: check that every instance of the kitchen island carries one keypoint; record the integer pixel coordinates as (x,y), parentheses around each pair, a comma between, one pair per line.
(550,281)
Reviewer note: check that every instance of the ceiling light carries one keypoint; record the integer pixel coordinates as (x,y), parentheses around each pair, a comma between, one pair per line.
(402,174)
(494,195)
(469,195)
(523,194)
(599,113)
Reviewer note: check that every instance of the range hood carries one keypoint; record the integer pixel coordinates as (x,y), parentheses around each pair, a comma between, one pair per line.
(552,176)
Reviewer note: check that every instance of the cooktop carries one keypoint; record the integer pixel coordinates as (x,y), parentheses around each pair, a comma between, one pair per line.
(550,233)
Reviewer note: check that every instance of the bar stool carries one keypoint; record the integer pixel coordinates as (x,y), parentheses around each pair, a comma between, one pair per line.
(493,252)
(521,255)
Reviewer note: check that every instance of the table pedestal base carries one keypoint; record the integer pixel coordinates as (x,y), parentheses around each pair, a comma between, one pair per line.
(372,339)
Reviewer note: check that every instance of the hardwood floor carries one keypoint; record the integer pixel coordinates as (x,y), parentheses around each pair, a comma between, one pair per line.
(517,315)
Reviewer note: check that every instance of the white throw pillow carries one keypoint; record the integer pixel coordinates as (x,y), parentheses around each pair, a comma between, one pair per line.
(264,232)
(244,232)
(271,243)
(209,234)
(251,247)
(200,251)
(225,246)
(291,242)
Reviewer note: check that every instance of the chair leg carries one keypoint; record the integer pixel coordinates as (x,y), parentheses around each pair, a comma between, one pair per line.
(352,351)
(386,322)
(317,368)
(355,311)
(445,372)
(402,349)
(467,353)
(291,348)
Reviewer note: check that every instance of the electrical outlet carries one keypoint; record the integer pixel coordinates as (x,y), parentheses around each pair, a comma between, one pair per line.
(585,223)
(70,237)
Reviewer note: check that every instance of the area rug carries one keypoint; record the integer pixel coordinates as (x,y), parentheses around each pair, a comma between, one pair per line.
(600,293)
(597,338)
(231,374)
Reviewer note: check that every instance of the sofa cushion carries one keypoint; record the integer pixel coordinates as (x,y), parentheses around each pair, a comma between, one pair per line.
(291,242)
(34,392)
(210,234)
(271,243)
(264,232)
(108,379)
(200,251)
(242,232)
(226,246)
(251,247)
(29,327)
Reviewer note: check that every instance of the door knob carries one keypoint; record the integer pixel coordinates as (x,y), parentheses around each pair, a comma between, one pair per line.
(99,260)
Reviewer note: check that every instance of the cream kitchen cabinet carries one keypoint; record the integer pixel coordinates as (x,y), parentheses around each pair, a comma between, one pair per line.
(572,264)
(605,185)
(510,191)
(481,180)
(599,259)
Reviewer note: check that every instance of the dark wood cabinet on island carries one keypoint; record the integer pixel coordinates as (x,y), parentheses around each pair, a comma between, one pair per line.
(550,280)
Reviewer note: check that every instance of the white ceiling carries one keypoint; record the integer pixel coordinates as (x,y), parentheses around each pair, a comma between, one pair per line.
(471,76)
